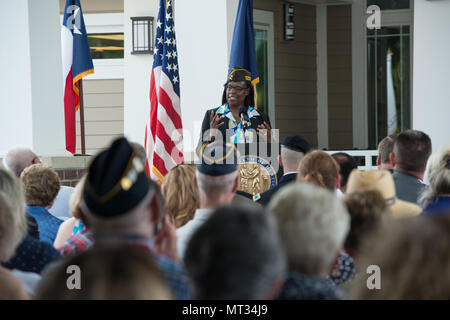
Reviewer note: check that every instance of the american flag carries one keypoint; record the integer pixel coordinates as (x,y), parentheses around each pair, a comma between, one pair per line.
(163,132)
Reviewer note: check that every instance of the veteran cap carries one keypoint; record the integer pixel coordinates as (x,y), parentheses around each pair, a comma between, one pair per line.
(218,158)
(238,74)
(116,181)
(297,143)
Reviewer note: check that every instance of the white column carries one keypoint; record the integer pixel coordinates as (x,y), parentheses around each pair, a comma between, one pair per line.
(31,87)
(431,94)
(203,42)
(137,71)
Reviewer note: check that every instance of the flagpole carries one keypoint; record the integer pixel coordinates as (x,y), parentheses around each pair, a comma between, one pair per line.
(83,148)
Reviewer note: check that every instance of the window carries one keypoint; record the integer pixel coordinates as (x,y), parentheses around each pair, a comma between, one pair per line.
(106,45)
(389,79)
(264,48)
(390,4)
(261,59)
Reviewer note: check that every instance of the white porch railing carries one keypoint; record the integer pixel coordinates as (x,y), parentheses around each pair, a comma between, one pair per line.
(367,155)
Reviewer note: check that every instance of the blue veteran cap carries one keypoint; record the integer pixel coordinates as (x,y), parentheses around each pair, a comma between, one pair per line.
(297,143)
(218,158)
(116,182)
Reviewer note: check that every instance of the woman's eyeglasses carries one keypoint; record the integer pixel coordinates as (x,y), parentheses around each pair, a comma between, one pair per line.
(238,89)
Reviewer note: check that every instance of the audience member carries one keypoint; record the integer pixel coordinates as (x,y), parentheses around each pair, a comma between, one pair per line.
(313,224)
(121,205)
(384,183)
(31,255)
(73,225)
(41,185)
(118,272)
(346,165)
(236,255)
(385,147)
(409,260)
(320,168)
(437,199)
(367,208)
(16,160)
(11,233)
(181,194)
(217,180)
(293,149)
(411,151)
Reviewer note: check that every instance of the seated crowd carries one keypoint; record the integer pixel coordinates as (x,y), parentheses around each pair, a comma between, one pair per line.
(322,233)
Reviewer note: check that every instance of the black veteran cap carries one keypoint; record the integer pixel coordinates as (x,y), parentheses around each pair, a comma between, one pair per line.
(297,143)
(116,181)
(238,74)
(218,158)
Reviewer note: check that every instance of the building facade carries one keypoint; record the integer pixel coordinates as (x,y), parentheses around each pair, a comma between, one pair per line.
(334,83)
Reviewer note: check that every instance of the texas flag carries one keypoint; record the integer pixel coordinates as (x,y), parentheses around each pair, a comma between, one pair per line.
(76,63)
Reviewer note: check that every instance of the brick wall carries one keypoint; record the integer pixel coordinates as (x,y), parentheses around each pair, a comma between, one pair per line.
(70,177)
(69,169)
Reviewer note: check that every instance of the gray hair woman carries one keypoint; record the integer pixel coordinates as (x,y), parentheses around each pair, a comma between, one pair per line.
(12,230)
(437,199)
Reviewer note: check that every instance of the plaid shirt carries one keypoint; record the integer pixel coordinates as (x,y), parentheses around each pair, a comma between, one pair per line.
(76,244)
(172,272)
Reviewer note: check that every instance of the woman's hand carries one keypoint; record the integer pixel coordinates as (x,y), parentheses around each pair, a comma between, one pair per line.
(264,131)
(215,122)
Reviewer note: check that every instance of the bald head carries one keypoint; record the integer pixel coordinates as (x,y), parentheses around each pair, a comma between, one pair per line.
(290,159)
(18,159)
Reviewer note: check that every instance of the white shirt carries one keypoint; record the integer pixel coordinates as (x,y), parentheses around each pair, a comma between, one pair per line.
(185,233)
(60,208)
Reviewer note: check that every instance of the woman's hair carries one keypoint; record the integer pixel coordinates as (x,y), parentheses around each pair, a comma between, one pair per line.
(13,222)
(124,272)
(41,184)
(319,168)
(438,173)
(367,209)
(181,194)
(76,198)
(412,259)
(249,100)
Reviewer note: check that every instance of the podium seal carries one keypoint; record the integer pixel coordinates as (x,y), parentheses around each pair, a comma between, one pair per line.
(256,175)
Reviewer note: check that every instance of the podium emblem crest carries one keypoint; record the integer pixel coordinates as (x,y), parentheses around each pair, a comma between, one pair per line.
(256,175)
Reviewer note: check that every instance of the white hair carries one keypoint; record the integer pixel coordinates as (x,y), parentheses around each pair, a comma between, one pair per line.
(212,185)
(13,222)
(18,159)
(313,224)
(290,157)
(438,173)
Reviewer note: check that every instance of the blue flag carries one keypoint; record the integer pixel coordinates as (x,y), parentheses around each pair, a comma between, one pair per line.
(243,45)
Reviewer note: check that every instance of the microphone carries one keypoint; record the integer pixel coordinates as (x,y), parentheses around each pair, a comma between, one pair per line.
(242,114)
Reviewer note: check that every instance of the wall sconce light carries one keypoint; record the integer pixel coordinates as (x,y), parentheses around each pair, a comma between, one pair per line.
(142,35)
(289,21)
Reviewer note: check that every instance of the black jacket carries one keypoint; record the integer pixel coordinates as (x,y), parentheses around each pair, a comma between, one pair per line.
(266,196)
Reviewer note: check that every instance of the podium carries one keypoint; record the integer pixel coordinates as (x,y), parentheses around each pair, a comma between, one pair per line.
(258,168)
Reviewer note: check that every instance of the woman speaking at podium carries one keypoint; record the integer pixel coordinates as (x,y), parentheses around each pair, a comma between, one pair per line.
(237,113)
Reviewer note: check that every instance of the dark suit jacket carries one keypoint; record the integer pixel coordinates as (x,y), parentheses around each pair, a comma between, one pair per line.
(408,188)
(286,179)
